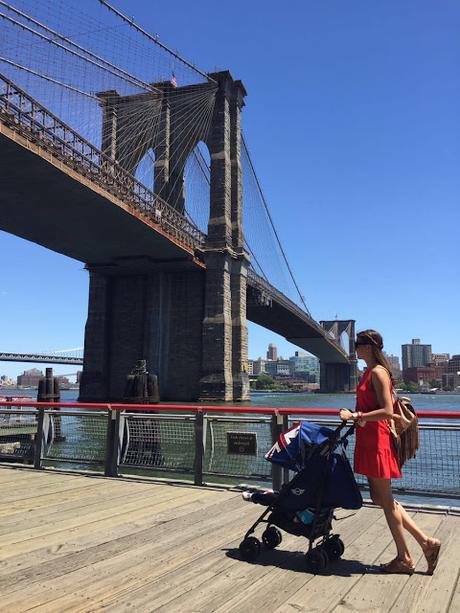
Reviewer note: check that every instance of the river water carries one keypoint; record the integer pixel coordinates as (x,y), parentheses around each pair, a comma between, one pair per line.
(421,402)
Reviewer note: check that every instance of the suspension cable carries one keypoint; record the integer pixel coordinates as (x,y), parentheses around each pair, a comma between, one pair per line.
(134,80)
(264,201)
(50,79)
(155,40)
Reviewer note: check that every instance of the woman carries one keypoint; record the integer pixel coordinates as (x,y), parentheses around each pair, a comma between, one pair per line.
(375,456)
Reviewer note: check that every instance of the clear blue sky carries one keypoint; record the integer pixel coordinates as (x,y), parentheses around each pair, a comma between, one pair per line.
(353,118)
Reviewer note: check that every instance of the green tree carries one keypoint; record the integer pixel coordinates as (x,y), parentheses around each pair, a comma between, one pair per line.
(264,382)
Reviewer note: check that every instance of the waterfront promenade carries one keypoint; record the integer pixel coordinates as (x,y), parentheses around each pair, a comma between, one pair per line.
(71,542)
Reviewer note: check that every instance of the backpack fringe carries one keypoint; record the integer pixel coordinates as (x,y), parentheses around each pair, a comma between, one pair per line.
(408,443)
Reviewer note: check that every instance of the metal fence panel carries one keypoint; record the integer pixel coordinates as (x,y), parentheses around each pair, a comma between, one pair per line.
(223,459)
(165,442)
(18,431)
(76,437)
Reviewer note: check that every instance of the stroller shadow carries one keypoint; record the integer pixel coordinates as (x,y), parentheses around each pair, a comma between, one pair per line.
(294,561)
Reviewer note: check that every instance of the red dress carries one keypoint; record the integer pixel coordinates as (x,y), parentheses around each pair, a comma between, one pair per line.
(374,452)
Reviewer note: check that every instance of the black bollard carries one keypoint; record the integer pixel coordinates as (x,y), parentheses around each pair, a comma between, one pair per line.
(145,440)
(49,390)
(141,387)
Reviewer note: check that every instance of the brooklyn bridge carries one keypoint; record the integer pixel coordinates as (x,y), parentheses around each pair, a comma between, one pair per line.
(119,153)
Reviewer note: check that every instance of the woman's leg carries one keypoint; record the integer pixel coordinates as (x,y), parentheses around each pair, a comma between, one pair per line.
(383,496)
(409,524)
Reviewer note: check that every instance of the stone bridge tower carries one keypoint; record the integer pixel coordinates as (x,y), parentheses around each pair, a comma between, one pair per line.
(187,321)
(340,377)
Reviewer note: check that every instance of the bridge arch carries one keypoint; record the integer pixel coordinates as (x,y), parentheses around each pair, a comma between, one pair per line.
(197,185)
(145,169)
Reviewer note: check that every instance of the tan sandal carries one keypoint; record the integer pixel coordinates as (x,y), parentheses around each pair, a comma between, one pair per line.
(398,567)
(432,555)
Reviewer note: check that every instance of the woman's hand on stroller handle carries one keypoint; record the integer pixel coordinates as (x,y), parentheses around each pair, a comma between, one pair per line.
(345,415)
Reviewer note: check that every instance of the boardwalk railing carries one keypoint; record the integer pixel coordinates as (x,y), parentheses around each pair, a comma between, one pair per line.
(23,114)
(210,443)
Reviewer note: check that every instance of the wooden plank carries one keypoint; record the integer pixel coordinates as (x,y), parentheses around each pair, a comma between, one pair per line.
(376,591)
(274,589)
(325,594)
(24,491)
(71,519)
(85,542)
(30,517)
(75,526)
(231,587)
(154,556)
(433,594)
(454,606)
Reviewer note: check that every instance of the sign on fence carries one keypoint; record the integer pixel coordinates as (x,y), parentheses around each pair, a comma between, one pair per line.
(242,443)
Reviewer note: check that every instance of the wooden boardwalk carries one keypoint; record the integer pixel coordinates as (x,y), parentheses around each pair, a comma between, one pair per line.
(82,543)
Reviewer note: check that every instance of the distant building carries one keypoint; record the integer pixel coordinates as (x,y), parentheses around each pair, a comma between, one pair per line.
(30,378)
(6,381)
(283,368)
(271,368)
(453,366)
(258,367)
(250,368)
(424,375)
(272,353)
(415,355)
(451,380)
(439,358)
(303,365)
(395,365)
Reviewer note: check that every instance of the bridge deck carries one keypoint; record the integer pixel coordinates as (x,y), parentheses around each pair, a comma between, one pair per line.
(80,543)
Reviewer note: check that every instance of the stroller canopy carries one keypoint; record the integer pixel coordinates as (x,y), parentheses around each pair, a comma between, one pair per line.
(291,450)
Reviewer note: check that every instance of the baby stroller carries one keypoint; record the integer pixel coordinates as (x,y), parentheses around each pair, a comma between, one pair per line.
(305,506)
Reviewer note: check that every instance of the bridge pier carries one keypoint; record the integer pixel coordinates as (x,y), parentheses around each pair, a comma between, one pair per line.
(336,378)
(155,316)
(188,323)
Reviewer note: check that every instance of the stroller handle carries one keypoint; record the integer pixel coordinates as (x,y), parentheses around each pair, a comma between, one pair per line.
(340,427)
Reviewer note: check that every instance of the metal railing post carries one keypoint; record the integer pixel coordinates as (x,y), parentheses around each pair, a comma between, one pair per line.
(277,471)
(38,446)
(199,448)
(112,444)
(285,427)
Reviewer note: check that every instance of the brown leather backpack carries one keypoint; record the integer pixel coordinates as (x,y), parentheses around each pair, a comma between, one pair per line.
(404,429)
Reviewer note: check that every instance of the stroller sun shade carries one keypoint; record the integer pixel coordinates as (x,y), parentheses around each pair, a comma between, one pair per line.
(293,446)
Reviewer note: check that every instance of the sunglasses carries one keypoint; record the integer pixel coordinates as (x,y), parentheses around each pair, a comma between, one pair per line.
(361,343)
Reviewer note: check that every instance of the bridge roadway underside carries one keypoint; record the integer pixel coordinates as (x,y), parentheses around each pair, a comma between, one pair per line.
(137,273)
(296,329)
(46,202)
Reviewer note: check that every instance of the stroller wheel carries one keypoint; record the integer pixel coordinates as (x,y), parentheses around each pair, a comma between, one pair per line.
(250,548)
(316,560)
(271,537)
(334,547)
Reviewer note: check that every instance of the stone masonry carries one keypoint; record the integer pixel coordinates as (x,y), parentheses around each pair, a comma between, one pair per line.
(189,323)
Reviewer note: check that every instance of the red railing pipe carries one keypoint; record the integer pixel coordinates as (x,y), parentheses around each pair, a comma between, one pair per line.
(103,406)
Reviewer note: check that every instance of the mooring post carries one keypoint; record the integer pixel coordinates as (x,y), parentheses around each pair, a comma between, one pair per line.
(112,444)
(199,448)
